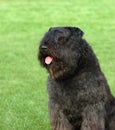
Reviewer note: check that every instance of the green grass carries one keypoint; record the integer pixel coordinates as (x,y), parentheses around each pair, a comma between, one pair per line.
(23,96)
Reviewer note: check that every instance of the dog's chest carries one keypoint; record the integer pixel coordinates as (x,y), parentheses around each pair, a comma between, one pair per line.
(69,95)
(74,94)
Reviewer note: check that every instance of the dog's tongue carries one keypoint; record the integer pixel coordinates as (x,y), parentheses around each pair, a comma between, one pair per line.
(48,60)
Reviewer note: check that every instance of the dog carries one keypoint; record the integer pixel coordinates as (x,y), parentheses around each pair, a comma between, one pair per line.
(79,95)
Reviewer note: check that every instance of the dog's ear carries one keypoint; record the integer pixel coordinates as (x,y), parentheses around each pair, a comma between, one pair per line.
(76,31)
(50,29)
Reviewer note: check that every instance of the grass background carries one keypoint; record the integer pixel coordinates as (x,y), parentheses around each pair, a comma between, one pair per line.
(23,96)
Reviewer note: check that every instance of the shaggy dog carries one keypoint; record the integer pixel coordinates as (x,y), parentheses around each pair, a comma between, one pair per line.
(79,95)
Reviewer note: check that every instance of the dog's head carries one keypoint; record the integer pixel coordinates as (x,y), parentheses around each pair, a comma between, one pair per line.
(60,50)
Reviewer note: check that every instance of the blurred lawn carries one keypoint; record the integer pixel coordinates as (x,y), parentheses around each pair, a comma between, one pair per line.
(23,96)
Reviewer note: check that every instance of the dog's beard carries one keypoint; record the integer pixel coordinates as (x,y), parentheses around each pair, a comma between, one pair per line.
(57,70)
(59,67)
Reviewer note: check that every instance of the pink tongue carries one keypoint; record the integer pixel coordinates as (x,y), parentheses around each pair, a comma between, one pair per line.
(48,60)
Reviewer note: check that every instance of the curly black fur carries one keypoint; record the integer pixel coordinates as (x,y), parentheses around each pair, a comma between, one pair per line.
(79,96)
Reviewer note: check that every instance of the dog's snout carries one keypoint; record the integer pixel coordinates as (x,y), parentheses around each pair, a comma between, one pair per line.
(44,47)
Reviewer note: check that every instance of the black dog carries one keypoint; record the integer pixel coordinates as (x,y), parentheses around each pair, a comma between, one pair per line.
(79,96)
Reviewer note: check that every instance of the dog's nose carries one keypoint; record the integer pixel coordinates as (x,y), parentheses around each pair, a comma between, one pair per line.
(44,47)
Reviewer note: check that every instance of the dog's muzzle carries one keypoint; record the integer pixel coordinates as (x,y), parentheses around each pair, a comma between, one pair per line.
(44,47)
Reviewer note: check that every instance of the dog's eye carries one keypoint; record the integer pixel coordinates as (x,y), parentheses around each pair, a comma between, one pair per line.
(61,39)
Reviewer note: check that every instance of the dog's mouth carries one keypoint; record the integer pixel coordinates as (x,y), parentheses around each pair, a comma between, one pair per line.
(57,67)
(48,60)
